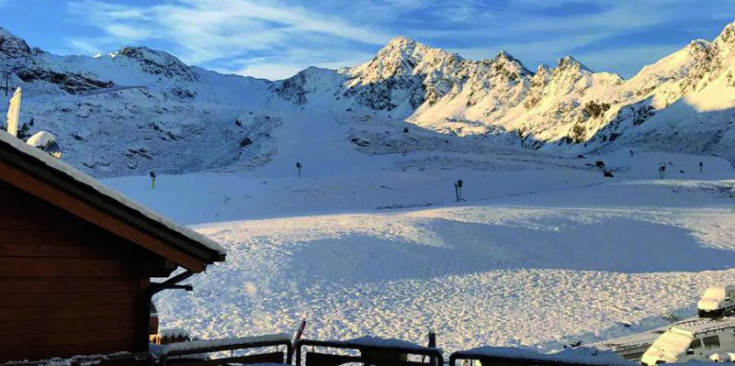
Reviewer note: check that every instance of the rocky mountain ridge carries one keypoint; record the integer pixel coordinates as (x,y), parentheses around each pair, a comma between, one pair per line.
(138,109)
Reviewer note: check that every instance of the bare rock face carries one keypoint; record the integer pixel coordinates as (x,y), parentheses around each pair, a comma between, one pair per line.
(69,82)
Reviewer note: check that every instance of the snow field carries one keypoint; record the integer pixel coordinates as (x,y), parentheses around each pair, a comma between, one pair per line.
(485,274)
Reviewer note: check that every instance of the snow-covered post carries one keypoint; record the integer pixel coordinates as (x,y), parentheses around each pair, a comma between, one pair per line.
(153,179)
(298,169)
(14,112)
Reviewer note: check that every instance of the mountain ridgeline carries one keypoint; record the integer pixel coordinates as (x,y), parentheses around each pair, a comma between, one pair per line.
(140,109)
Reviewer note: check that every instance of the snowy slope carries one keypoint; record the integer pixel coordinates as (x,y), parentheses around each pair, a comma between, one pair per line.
(138,109)
(370,241)
(543,252)
(564,109)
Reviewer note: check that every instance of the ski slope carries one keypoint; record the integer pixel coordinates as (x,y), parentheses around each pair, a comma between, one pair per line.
(543,252)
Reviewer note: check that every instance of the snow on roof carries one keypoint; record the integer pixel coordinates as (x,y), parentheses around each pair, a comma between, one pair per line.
(704,325)
(80,177)
(211,343)
(718,292)
(580,356)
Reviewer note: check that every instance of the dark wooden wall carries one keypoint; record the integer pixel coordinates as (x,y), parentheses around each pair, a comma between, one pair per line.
(66,286)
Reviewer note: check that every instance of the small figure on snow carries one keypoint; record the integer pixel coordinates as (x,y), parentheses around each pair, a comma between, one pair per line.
(298,169)
(153,179)
(662,170)
(701,166)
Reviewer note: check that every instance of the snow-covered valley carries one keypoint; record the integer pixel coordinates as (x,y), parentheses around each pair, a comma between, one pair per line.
(367,236)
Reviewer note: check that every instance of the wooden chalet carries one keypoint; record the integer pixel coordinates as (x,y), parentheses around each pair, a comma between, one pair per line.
(77,258)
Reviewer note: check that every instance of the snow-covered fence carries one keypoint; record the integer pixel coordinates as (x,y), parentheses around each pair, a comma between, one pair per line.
(368,351)
(517,356)
(192,351)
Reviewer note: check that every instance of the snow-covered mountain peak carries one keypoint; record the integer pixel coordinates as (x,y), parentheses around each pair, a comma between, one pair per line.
(12,46)
(727,36)
(404,56)
(157,62)
(569,63)
(504,60)
(400,42)
(503,54)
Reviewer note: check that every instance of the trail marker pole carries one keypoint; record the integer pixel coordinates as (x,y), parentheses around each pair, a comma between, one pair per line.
(458,190)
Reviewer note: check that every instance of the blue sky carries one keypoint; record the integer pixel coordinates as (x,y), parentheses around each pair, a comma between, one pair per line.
(274,39)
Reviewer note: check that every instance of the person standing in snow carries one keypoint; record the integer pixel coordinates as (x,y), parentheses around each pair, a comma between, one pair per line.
(153,179)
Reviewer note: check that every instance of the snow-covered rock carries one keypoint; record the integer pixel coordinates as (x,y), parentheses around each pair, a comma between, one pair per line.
(12,46)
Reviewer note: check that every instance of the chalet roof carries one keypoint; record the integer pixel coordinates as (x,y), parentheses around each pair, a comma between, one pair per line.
(83,187)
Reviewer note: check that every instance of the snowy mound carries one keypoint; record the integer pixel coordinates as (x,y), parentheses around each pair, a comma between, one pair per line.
(45,141)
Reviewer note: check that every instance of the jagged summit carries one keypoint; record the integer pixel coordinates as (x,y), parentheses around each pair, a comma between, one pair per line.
(503,54)
(407,48)
(506,60)
(727,35)
(12,46)
(401,41)
(570,63)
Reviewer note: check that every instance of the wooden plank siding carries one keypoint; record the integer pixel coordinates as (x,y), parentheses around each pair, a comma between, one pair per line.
(66,286)
(58,195)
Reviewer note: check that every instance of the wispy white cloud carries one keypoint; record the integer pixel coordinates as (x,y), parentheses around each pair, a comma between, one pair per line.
(201,31)
(260,37)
